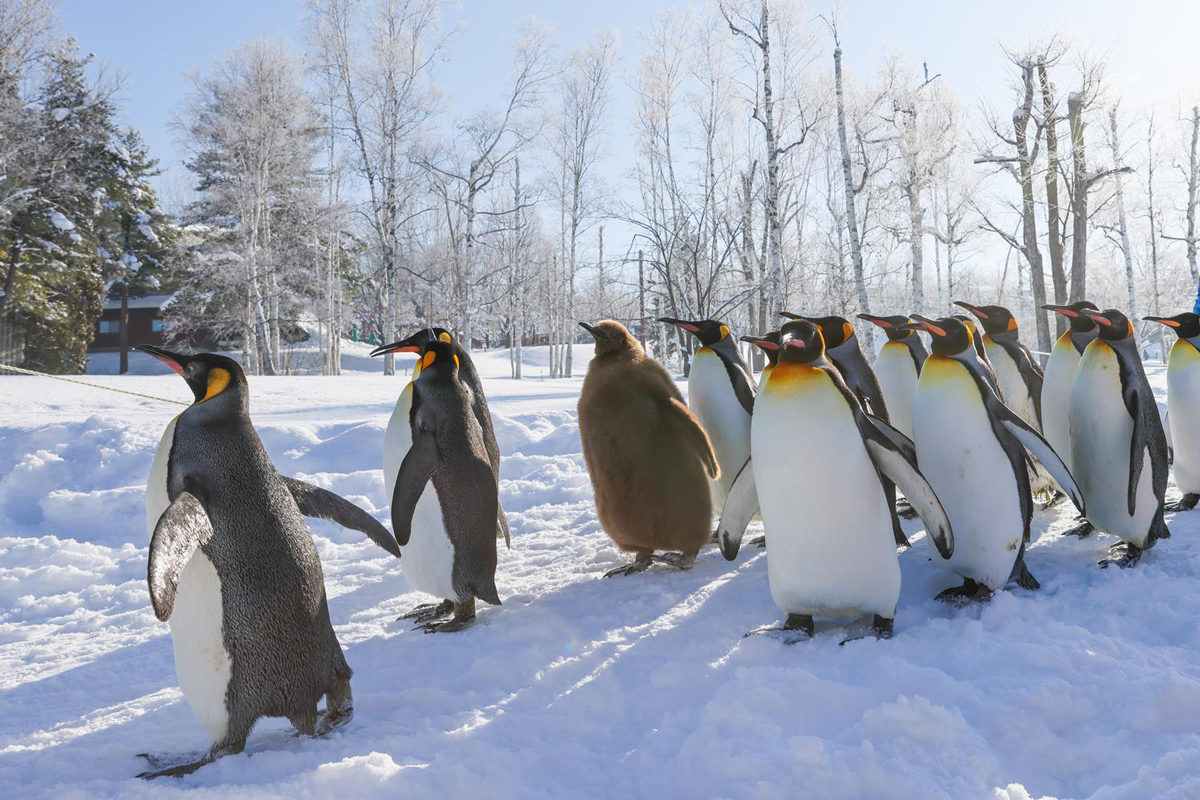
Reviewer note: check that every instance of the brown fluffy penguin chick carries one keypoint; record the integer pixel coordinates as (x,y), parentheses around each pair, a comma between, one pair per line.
(648,457)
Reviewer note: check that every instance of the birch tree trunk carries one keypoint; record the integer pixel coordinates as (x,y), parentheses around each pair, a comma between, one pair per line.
(1033,254)
(1079,199)
(1193,185)
(1122,224)
(856,258)
(1058,275)
(1152,213)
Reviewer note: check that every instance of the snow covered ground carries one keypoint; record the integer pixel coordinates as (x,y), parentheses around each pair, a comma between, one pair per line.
(576,686)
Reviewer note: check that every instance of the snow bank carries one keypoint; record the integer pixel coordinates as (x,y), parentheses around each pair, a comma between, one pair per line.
(576,686)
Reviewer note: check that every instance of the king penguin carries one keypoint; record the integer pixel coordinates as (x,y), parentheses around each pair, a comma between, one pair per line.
(396,441)
(819,463)
(843,351)
(972,447)
(234,570)
(1183,405)
(721,395)
(447,536)
(1115,430)
(649,459)
(898,366)
(1060,375)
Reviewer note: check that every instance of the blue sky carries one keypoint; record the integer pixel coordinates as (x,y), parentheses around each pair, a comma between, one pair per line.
(1150,47)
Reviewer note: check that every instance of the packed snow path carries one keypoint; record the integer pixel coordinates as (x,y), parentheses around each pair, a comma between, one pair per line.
(576,686)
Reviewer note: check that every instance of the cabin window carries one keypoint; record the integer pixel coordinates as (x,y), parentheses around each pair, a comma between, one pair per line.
(156,326)
(110,326)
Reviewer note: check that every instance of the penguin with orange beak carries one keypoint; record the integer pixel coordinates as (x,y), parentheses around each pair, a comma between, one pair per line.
(1118,446)
(1183,404)
(988,500)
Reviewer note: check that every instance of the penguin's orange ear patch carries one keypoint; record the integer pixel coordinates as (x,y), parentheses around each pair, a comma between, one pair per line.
(445,337)
(456,363)
(847,331)
(218,381)
(724,332)
(430,357)
(1012,323)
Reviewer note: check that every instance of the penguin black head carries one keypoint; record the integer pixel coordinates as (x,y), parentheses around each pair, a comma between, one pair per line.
(213,379)
(438,360)
(836,330)
(801,341)
(768,343)
(612,338)
(949,336)
(995,319)
(1185,325)
(891,326)
(1114,326)
(1080,322)
(414,343)
(708,331)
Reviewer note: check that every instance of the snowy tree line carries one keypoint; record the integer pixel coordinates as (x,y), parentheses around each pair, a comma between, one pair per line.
(337,194)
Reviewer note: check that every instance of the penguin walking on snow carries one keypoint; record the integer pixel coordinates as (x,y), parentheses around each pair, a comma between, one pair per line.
(234,570)
(396,441)
(819,462)
(1183,404)
(448,535)
(721,395)
(649,460)
(1018,372)
(843,351)
(898,366)
(972,447)
(1117,442)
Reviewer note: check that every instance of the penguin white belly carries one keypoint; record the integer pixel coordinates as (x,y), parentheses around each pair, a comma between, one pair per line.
(1101,431)
(897,373)
(157,496)
(1012,385)
(202,664)
(959,455)
(1056,397)
(428,559)
(1183,403)
(714,402)
(831,550)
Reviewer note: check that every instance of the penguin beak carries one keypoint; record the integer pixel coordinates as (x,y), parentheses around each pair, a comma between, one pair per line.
(402,346)
(1064,310)
(880,321)
(175,361)
(926,324)
(789,315)
(594,331)
(765,344)
(973,309)
(1163,320)
(687,326)
(1098,318)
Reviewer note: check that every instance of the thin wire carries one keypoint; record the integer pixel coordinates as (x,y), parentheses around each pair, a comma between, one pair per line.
(92,385)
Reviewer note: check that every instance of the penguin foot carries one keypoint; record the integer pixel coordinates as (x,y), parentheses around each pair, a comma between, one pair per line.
(881,626)
(339,708)
(905,510)
(677,560)
(797,628)
(1082,530)
(1123,555)
(639,564)
(1053,501)
(760,541)
(174,765)
(427,611)
(969,592)
(1185,503)
(464,615)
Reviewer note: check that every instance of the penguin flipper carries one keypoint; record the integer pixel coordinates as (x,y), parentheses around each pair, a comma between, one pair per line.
(893,463)
(740,505)
(415,471)
(502,530)
(901,442)
(319,503)
(1137,446)
(693,434)
(182,528)
(1033,441)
